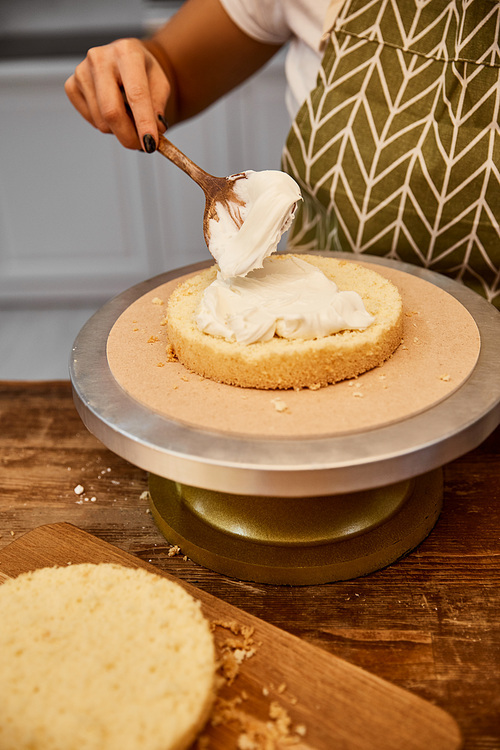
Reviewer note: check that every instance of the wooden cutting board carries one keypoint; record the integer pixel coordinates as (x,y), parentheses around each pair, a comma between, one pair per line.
(285,689)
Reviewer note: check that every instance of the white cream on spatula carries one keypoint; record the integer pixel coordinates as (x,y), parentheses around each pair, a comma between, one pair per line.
(255,297)
(269,201)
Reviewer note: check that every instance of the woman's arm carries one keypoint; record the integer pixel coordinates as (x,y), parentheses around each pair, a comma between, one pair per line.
(197,57)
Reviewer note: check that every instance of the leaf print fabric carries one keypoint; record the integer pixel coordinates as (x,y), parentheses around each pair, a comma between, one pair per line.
(397,149)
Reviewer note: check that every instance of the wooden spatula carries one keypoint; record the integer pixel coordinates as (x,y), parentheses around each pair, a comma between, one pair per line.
(219,191)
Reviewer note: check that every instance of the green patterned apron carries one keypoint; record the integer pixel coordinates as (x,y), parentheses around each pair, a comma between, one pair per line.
(397,149)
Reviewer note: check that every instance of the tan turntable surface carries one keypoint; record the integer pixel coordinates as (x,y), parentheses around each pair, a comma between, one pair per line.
(439,351)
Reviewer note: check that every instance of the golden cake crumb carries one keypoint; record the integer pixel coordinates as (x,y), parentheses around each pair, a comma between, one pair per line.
(173,551)
(246,743)
(255,734)
(280,716)
(279,404)
(169,351)
(234,650)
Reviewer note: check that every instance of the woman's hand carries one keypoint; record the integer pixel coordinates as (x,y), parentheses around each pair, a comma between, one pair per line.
(121,88)
(195,58)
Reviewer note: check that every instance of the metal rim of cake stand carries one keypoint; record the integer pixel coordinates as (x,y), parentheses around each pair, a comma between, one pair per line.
(287,467)
(237,505)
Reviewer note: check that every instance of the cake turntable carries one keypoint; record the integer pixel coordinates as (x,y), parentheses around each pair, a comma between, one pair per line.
(291,487)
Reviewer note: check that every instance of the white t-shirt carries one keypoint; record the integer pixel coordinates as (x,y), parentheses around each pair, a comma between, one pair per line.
(299,22)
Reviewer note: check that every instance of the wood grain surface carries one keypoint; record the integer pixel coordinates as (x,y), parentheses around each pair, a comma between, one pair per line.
(305,695)
(429,623)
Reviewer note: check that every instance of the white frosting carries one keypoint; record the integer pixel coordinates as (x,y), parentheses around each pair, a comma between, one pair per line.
(270,198)
(288,297)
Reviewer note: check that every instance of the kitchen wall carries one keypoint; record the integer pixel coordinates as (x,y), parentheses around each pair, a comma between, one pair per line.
(81,218)
(50,16)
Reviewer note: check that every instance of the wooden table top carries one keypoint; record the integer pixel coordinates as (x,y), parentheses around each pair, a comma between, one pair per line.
(429,623)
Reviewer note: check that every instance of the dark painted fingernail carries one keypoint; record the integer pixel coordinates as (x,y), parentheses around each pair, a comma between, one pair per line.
(149,143)
(163,121)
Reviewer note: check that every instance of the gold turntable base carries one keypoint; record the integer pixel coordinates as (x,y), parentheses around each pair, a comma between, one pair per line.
(287,540)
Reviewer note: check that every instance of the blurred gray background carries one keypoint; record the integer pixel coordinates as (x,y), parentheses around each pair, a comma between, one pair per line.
(81,218)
